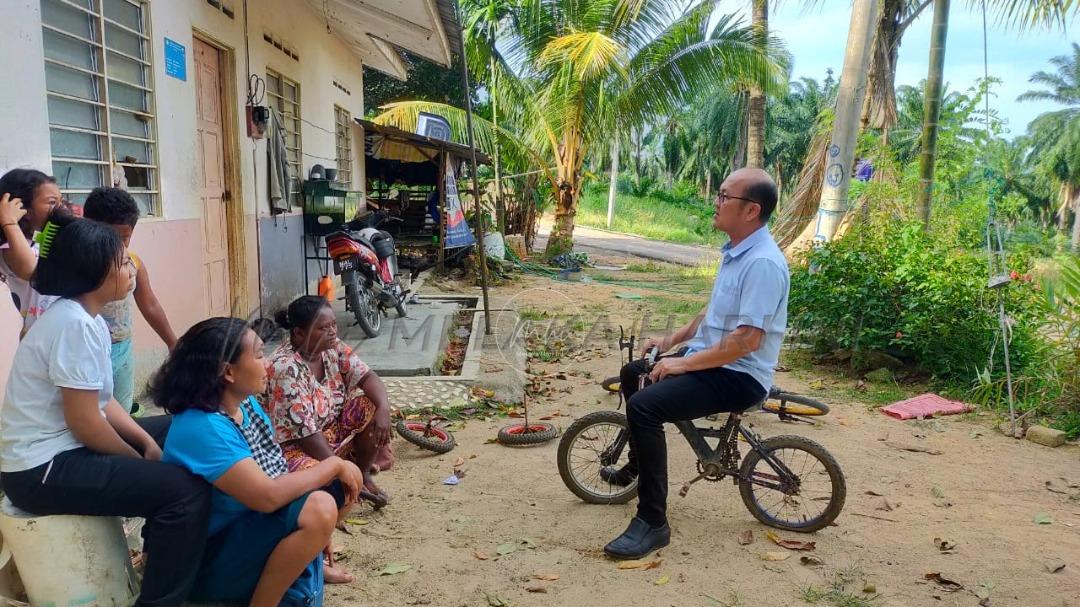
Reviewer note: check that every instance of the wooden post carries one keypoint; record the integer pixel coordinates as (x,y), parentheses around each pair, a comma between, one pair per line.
(440,183)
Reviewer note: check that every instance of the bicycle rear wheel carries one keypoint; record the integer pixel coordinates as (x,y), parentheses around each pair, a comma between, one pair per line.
(781,403)
(819,490)
(591,443)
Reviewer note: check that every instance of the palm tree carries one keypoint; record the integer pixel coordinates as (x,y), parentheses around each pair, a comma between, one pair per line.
(755,133)
(584,71)
(1023,13)
(1055,136)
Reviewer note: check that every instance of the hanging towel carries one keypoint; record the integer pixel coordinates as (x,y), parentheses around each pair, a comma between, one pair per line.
(278,159)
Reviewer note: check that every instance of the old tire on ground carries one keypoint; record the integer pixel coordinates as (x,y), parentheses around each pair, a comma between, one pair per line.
(794,404)
(533,434)
(837,491)
(436,439)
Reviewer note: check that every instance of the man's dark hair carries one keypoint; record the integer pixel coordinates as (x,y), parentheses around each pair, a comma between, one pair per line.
(191,377)
(764,193)
(79,258)
(112,206)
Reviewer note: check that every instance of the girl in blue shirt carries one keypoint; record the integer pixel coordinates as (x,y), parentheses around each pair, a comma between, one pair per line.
(266,525)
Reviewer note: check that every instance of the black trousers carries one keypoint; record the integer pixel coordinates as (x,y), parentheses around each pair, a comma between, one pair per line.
(174,502)
(678,398)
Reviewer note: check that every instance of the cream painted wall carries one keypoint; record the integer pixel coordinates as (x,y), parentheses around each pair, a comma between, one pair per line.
(171,244)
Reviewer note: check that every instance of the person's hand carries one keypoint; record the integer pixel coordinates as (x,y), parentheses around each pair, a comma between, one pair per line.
(152,452)
(351,478)
(382,426)
(11,210)
(660,345)
(668,367)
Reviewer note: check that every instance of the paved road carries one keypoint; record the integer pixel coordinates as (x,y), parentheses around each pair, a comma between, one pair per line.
(593,240)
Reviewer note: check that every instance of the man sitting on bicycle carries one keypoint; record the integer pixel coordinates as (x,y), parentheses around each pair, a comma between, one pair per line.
(726,363)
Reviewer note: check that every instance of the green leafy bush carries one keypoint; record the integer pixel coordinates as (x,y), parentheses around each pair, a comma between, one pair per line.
(892,288)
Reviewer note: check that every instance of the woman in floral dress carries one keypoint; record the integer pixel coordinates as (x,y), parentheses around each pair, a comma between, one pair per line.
(323,399)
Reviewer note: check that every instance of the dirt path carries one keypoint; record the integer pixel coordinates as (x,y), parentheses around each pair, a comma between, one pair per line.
(592,240)
(982,493)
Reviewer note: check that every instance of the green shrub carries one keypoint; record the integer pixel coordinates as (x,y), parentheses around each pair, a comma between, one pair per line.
(892,288)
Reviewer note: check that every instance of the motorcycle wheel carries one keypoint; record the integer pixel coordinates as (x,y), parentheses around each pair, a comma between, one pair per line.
(400,307)
(365,310)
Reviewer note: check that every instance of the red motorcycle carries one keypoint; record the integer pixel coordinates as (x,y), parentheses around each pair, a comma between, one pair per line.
(365,259)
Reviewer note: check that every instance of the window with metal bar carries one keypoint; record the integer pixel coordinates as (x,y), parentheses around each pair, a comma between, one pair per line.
(343,138)
(99,87)
(284,99)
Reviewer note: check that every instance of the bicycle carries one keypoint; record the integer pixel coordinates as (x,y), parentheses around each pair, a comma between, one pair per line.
(797,471)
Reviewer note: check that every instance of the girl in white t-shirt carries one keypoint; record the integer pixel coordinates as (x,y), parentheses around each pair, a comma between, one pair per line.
(27,197)
(66,445)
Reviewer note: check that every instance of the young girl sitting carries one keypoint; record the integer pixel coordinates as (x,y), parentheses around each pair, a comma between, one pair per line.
(267,526)
(66,446)
(26,199)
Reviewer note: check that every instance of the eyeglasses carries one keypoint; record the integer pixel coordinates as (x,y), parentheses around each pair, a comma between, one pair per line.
(722,197)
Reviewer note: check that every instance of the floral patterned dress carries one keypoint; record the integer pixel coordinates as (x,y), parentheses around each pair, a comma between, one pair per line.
(300,405)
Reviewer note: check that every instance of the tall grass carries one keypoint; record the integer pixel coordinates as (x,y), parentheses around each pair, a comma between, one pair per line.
(650,217)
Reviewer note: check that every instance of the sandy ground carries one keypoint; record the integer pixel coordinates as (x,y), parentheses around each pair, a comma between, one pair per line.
(983,494)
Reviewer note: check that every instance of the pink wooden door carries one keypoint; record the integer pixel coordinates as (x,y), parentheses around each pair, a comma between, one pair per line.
(212,191)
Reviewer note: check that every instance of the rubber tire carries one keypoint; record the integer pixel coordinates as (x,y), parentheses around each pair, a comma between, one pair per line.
(507,436)
(401,309)
(563,458)
(416,437)
(836,476)
(798,399)
(353,293)
(612,384)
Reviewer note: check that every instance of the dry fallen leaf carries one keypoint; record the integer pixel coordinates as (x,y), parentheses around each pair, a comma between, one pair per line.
(1053,565)
(640,565)
(664,579)
(811,561)
(944,545)
(776,556)
(945,584)
(536,589)
(459,462)
(789,544)
(480,555)
(546,577)
(884,505)
(874,493)
(746,538)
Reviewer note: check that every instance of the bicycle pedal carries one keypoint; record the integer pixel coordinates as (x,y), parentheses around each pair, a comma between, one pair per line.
(686,486)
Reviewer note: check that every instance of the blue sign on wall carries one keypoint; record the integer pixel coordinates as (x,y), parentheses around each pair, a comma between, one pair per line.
(175,60)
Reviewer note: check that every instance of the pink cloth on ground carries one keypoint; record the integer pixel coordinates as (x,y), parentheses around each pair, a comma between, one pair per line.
(925,405)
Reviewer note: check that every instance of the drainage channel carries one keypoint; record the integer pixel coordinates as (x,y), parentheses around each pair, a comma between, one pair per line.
(431,358)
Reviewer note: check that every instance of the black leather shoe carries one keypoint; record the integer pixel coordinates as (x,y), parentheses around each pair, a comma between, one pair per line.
(638,540)
(620,477)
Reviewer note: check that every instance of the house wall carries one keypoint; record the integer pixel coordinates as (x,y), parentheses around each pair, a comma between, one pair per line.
(171,245)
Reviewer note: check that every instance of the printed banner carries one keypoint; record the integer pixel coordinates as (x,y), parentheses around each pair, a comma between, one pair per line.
(458,233)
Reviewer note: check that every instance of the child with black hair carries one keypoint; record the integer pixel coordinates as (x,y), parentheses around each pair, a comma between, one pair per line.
(267,525)
(117,209)
(66,446)
(27,197)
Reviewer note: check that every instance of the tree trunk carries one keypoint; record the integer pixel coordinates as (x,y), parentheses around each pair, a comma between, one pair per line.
(849,100)
(1076,222)
(755,138)
(738,159)
(708,186)
(637,155)
(614,186)
(879,109)
(561,239)
(932,110)
(500,205)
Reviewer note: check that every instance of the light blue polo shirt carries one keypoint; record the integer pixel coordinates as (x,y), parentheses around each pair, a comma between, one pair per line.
(751,289)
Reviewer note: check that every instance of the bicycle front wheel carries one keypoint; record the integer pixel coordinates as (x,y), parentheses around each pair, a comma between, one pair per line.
(590,444)
(814,498)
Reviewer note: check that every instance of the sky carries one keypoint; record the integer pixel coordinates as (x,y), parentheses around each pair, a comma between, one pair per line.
(816,38)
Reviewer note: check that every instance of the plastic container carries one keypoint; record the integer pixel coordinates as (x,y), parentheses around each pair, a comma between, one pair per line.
(70,560)
(494,247)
